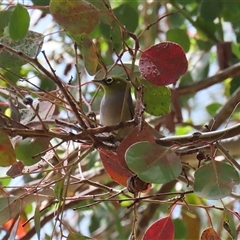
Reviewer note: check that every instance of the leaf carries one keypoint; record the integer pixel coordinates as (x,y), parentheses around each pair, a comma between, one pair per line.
(156,99)
(163,64)
(41,2)
(209,234)
(210,10)
(9,208)
(7,154)
(118,70)
(77,236)
(212,108)
(136,135)
(235,47)
(124,10)
(4,20)
(179,36)
(229,223)
(117,172)
(135,184)
(192,220)
(234,84)
(104,7)
(31,45)
(89,54)
(205,29)
(180,228)
(161,229)
(15,170)
(112,30)
(76,17)
(153,163)
(27,148)
(230,11)
(59,187)
(17,230)
(19,23)
(37,223)
(215,181)
(44,109)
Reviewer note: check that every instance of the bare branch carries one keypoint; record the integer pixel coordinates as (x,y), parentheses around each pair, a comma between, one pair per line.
(232,71)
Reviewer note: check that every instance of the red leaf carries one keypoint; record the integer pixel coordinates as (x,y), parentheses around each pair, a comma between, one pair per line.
(21,230)
(7,154)
(161,229)
(163,63)
(114,162)
(117,172)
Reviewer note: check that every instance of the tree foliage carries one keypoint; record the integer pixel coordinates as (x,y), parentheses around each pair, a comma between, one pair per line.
(175,175)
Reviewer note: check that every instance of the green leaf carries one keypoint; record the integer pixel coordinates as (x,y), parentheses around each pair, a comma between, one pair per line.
(156,99)
(27,148)
(9,208)
(31,45)
(236,49)
(118,70)
(231,11)
(212,108)
(88,52)
(176,20)
(153,163)
(229,223)
(206,30)
(37,224)
(234,84)
(179,36)
(77,236)
(19,23)
(210,9)
(7,154)
(113,30)
(124,10)
(185,2)
(59,187)
(41,2)
(204,45)
(180,229)
(216,180)
(4,20)
(103,6)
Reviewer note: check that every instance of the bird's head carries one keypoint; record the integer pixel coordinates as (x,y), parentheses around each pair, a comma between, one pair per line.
(112,84)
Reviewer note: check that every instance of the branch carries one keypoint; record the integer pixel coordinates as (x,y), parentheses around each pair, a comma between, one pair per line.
(232,71)
(225,111)
(199,137)
(56,80)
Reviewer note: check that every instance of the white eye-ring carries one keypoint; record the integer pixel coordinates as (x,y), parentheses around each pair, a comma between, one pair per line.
(109,80)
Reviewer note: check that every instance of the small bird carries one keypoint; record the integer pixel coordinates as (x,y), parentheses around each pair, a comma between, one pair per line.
(114,108)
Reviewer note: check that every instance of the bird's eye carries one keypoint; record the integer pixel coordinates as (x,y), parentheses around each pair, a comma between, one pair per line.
(109,80)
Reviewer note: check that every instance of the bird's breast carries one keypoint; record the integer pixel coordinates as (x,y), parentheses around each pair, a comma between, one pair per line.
(111,109)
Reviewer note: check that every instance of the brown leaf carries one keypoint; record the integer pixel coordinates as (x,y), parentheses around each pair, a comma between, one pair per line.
(15,170)
(209,234)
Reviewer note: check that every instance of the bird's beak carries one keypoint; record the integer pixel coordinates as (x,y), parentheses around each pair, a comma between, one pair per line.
(97,81)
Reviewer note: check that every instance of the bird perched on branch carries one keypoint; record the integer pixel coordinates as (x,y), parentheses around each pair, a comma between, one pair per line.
(116,105)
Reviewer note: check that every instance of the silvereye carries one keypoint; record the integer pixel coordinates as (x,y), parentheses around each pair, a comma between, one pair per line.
(114,108)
